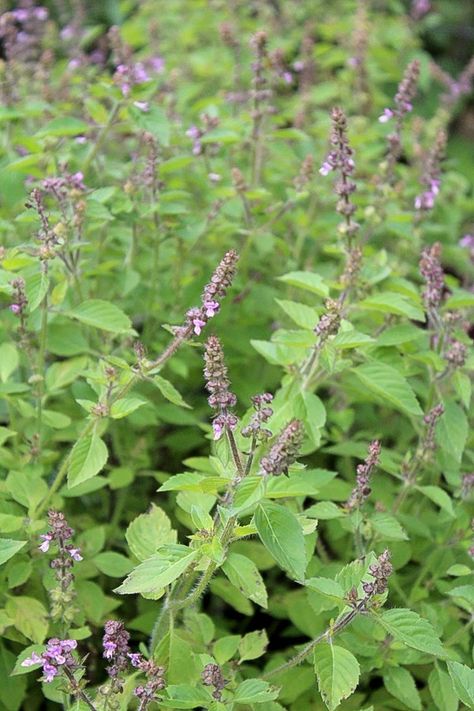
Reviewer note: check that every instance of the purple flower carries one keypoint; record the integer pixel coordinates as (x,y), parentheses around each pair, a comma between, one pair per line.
(47,538)
(49,672)
(288,77)
(75,554)
(326,168)
(109,649)
(386,115)
(142,105)
(211,308)
(135,659)
(15,308)
(193,132)
(198,326)
(30,661)
(157,64)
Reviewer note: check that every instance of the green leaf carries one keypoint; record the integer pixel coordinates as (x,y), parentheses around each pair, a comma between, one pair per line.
(324,510)
(463,682)
(393,303)
(301,314)
(101,314)
(9,360)
(169,391)
(307,281)
(36,288)
(125,406)
(12,688)
(185,696)
(64,126)
(388,527)
(439,497)
(148,532)
(225,648)
(29,616)
(8,548)
(452,430)
(160,570)
(408,627)
(253,645)
(351,339)
(400,683)
(113,564)
(329,589)
(254,691)
(88,457)
(442,690)
(282,535)
(337,671)
(313,416)
(155,121)
(244,574)
(389,386)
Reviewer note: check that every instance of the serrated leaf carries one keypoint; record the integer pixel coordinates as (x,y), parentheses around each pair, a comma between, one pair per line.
(282,535)
(244,574)
(439,497)
(253,645)
(158,571)
(463,681)
(64,126)
(9,360)
(442,690)
(393,303)
(389,386)
(337,671)
(88,457)
(113,564)
(388,527)
(301,314)
(452,429)
(9,547)
(169,391)
(29,617)
(400,683)
(254,691)
(328,588)
(125,406)
(101,314)
(148,531)
(309,281)
(408,627)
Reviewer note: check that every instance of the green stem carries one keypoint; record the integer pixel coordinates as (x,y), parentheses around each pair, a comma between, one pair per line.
(102,136)
(326,635)
(41,363)
(158,363)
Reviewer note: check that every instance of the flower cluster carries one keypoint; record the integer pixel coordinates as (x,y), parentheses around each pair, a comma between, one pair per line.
(129,73)
(59,534)
(260,91)
(328,324)
(60,186)
(340,158)
(262,414)
(279,66)
(456,354)
(433,274)
(20,301)
(362,488)
(430,420)
(155,680)
(468,243)
(431,177)
(212,676)
(381,572)
(213,291)
(467,485)
(285,450)
(21,32)
(117,651)
(217,383)
(305,174)
(405,94)
(208,123)
(56,657)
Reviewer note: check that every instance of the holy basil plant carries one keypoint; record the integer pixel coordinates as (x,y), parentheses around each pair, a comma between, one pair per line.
(236,261)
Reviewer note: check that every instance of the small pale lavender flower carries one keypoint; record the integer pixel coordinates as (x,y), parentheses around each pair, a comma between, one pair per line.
(386,115)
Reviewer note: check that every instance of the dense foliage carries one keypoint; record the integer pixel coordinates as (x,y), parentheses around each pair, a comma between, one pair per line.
(235,271)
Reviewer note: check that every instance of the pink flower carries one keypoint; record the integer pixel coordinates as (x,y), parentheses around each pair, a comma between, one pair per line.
(211,308)
(288,77)
(15,308)
(198,325)
(142,105)
(386,115)
(30,661)
(326,168)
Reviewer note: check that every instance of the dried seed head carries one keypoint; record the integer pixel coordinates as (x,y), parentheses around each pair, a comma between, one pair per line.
(362,488)
(217,383)
(285,450)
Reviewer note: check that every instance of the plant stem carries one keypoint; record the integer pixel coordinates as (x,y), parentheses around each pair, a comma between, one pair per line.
(102,136)
(326,635)
(77,691)
(41,364)
(62,471)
